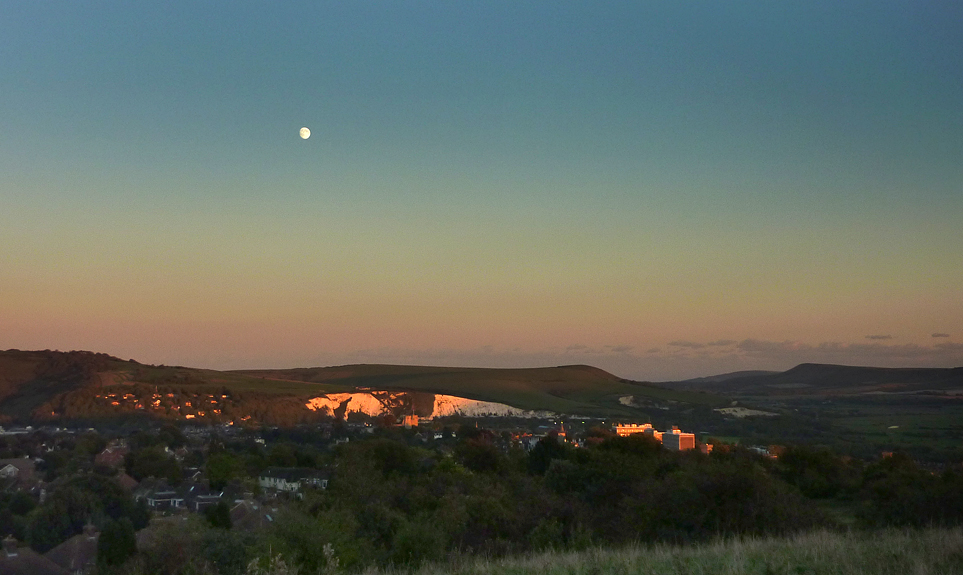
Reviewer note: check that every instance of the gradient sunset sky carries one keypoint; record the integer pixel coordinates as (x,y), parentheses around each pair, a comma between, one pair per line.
(660,189)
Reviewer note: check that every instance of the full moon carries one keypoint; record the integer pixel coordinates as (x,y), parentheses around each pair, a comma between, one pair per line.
(305,133)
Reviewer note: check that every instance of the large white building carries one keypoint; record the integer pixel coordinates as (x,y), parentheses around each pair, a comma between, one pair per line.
(627,429)
(676,440)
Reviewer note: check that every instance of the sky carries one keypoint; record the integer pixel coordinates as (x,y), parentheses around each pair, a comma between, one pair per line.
(660,189)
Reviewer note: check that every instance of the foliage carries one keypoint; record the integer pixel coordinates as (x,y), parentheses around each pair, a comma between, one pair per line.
(222,467)
(153,461)
(897,492)
(75,502)
(819,473)
(189,546)
(218,515)
(116,542)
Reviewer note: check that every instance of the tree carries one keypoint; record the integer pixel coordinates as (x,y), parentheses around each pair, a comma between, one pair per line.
(59,518)
(219,515)
(479,455)
(547,449)
(153,462)
(116,543)
(21,503)
(222,467)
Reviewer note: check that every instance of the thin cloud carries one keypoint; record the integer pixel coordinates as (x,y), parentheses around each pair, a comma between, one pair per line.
(762,346)
(884,355)
(686,343)
(620,348)
(941,335)
(948,346)
(722,342)
(879,337)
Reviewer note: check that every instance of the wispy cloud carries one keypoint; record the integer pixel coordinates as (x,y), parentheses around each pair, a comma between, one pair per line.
(577,348)
(687,344)
(763,346)
(883,355)
(949,346)
(879,337)
(620,348)
(722,342)
(941,335)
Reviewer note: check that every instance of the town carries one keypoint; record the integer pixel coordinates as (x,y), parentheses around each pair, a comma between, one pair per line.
(239,475)
(74,500)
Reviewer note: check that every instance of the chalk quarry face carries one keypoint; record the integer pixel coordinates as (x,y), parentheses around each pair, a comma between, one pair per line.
(424,405)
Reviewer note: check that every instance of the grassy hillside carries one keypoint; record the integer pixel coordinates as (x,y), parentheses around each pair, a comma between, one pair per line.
(835,380)
(58,382)
(856,410)
(30,380)
(574,389)
(933,551)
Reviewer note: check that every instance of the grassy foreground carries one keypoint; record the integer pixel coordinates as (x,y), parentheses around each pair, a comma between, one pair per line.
(896,552)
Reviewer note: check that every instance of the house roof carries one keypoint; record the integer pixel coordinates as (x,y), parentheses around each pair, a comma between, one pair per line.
(251,516)
(25,467)
(78,552)
(153,533)
(126,481)
(26,561)
(111,456)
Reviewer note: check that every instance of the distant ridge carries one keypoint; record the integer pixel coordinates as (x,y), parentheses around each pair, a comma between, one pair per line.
(47,385)
(29,378)
(727,376)
(563,389)
(828,379)
(53,385)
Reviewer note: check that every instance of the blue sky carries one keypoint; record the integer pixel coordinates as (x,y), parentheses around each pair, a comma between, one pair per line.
(503,183)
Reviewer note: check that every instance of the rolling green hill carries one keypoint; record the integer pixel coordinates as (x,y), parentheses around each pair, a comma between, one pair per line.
(31,382)
(856,410)
(572,389)
(814,379)
(52,384)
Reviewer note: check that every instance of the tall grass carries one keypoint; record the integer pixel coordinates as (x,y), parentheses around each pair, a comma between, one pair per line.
(890,552)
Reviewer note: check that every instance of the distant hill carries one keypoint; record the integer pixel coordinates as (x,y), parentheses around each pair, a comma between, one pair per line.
(29,378)
(573,389)
(54,385)
(727,376)
(824,379)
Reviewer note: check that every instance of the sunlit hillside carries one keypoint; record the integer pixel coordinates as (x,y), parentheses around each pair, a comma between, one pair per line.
(574,389)
(52,385)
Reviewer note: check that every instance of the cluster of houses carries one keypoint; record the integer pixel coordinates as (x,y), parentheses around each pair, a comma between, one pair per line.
(179,404)
(20,475)
(77,555)
(673,439)
(195,495)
